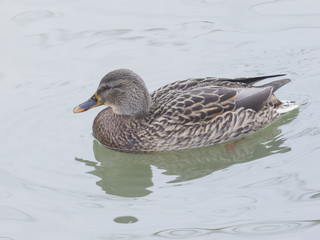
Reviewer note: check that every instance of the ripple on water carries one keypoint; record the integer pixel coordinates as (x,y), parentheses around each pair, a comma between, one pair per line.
(255,228)
(283,8)
(272,181)
(91,205)
(310,196)
(268,228)
(34,16)
(315,196)
(158,36)
(13,214)
(181,233)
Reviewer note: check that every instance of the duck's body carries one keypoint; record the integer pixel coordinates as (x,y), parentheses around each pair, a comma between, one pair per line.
(184,114)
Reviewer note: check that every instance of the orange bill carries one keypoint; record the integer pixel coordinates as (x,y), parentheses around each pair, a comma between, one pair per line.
(90,103)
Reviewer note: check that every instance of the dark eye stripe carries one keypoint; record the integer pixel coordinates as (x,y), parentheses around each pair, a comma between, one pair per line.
(104,88)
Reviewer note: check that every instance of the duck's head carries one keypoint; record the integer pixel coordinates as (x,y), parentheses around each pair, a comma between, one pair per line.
(122,90)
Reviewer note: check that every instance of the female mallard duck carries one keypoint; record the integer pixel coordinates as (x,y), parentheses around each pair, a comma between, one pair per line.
(192,113)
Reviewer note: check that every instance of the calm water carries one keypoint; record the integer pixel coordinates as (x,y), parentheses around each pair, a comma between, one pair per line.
(57,182)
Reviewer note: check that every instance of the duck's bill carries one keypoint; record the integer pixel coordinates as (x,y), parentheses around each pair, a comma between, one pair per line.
(90,103)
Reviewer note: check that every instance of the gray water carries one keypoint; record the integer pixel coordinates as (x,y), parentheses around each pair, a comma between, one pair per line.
(57,182)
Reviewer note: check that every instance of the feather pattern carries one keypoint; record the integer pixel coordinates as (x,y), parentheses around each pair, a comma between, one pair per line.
(191,113)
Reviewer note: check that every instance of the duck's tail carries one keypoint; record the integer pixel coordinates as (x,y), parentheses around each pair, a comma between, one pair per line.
(284,106)
(276,84)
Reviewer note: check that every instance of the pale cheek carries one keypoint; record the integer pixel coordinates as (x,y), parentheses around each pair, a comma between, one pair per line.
(109,104)
(114,108)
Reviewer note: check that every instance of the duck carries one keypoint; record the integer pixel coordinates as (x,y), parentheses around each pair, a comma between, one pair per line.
(191,113)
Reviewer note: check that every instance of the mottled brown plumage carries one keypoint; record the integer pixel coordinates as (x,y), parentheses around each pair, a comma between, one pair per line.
(184,114)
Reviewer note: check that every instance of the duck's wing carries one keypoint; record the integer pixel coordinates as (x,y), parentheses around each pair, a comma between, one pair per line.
(203,104)
(194,83)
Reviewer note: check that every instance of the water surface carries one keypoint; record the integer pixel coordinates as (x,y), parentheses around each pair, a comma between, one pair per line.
(57,182)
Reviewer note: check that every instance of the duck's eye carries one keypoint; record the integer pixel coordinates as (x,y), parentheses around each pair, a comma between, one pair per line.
(104,88)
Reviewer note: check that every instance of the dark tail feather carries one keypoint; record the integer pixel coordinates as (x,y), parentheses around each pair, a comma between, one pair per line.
(254,79)
(277,84)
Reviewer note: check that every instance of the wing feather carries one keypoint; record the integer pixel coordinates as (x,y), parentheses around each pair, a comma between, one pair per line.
(202,99)
(200,104)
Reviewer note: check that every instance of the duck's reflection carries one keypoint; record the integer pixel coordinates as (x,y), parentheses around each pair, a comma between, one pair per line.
(130,175)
